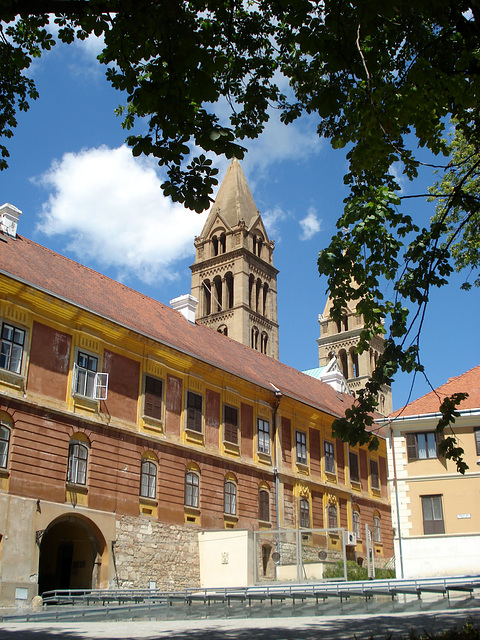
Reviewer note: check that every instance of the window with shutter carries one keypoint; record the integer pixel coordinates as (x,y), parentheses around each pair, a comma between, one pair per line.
(477,440)
(263,505)
(194,412)
(230,415)
(354,472)
(374,479)
(153,398)
(422,445)
(301,446)
(432,514)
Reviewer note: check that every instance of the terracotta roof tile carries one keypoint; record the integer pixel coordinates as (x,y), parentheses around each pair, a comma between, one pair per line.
(25,260)
(468,382)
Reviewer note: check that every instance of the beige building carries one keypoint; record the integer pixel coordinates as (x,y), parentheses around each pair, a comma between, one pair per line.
(233,276)
(340,338)
(435,509)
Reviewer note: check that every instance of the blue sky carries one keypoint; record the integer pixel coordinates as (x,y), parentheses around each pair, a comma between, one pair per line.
(84,195)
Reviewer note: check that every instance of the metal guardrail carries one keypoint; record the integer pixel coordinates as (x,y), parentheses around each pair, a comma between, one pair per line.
(126,602)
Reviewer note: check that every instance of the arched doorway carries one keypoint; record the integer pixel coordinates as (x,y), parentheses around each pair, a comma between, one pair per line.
(71,553)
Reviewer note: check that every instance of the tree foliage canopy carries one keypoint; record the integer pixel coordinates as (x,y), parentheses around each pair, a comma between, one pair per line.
(382,78)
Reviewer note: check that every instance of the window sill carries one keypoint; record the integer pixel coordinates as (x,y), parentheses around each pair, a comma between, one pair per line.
(192,515)
(264,458)
(302,468)
(11,379)
(232,448)
(86,403)
(4,473)
(376,492)
(195,437)
(151,502)
(229,517)
(263,524)
(152,424)
(78,488)
(331,476)
(356,485)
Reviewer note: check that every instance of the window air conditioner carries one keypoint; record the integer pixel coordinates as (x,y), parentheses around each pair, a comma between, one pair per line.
(349,538)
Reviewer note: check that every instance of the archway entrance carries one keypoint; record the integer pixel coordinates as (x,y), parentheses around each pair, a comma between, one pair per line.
(70,555)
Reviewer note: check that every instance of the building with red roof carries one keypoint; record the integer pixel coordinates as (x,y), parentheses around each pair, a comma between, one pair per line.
(436,509)
(128,431)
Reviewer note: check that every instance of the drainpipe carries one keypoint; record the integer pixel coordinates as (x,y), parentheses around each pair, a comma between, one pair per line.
(396,499)
(278,396)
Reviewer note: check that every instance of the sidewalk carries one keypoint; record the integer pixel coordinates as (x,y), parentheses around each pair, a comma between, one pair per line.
(395,625)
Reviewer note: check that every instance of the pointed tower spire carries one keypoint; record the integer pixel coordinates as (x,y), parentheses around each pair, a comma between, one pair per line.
(233,276)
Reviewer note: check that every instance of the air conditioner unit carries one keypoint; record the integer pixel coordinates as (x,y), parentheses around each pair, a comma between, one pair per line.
(349,538)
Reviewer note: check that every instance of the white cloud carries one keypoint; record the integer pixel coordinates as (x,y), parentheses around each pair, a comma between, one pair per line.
(310,225)
(111,210)
(272,219)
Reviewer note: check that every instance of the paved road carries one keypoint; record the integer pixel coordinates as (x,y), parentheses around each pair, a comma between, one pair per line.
(393,625)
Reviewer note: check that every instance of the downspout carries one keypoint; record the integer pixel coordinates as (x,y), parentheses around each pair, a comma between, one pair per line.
(396,499)
(278,397)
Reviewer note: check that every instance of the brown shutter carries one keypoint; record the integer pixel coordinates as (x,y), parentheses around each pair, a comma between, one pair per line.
(412,449)
(231,425)
(153,398)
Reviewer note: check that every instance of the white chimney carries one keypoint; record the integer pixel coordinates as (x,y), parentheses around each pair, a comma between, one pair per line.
(9,216)
(187,305)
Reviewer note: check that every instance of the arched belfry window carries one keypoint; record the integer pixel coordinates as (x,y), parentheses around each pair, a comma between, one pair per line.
(223,243)
(229,290)
(258,290)
(254,337)
(342,356)
(251,282)
(215,245)
(207,297)
(217,303)
(263,342)
(223,329)
(354,357)
(265,298)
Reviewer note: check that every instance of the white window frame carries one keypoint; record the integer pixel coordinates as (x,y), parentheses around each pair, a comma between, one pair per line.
(263,445)
(148,480)
(4,444)
(99,382)
(77,465)
(12,344)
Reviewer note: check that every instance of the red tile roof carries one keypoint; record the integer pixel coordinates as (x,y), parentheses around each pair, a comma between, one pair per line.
(27,261)
(468,382)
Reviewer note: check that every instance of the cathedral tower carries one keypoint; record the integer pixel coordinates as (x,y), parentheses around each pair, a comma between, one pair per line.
(340,338)
(233,277)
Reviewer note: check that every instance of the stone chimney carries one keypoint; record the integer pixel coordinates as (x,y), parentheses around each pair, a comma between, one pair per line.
(9,216)
(187,306)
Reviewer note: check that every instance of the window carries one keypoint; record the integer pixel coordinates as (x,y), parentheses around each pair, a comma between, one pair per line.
(230,498)
(421,446)
(304,513)
(301,446)
(153,398)
(329,457)
(77,462)
(374,479)
(263,436)
(148,479)
(191,489)
(4,444)
(377,532)
(477,440)
(264,505)
(354,472)
(11,353)
(356,524)
(86,380)
(194,411)
(230,416)
(432,514)
(332,516)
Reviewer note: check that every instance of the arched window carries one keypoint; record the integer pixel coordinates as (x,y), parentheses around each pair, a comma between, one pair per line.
(265,297)
(251,281)
(148,479)
(229,282)
(4,445)
(223,243)
(215,245)
(356,523)
(223,329)
(345,322)
(258,289)
(230,498)
(377,531)
(254,338)
(263,342)
(217,283)
(191,489)
(77,460)
(304,513)
(332,516)
(264,505)
(207,297)
(354,357)
(342,356)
